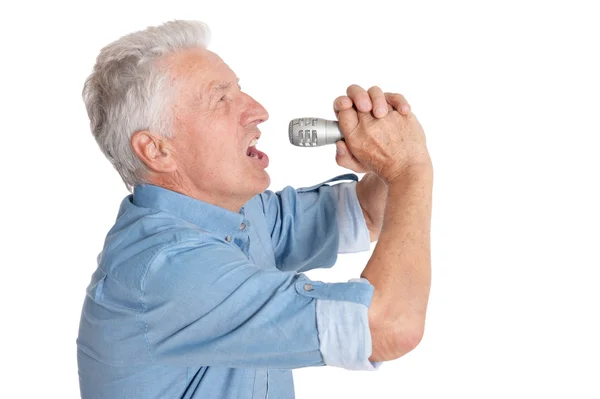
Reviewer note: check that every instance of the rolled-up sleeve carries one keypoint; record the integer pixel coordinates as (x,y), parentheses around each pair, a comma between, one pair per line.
(353,232)
(206,304)
(344,333)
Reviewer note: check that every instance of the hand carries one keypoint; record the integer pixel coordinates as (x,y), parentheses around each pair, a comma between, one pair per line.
(372,100)
(384,144)
(365,101)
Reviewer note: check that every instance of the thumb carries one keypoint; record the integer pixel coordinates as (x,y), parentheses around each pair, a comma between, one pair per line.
(345,159)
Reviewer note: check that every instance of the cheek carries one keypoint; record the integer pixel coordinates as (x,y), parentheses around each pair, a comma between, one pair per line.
(214,155)
(209,142)
(191,152)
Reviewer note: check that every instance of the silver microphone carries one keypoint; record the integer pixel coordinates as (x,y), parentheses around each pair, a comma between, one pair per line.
(313,132)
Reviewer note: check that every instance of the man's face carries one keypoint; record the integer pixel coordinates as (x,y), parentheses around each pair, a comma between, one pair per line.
(214,124)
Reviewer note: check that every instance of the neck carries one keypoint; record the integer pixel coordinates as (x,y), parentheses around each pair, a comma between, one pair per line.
(229,201)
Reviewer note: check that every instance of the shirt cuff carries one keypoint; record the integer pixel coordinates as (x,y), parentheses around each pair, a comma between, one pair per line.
(354,234)
(344,334)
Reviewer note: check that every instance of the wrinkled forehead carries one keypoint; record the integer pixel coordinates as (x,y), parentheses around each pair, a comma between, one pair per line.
(197,65)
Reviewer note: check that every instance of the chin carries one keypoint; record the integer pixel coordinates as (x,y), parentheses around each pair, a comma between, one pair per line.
(261,184)
(266,183)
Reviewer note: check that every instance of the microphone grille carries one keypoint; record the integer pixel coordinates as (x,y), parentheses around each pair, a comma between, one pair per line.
(291,136)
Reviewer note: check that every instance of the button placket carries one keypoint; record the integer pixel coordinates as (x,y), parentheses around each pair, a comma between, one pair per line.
(246,249)
(241,237)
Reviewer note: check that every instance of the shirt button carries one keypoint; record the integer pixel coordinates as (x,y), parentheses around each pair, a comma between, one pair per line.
(308,287)
(242,226)
(228,238)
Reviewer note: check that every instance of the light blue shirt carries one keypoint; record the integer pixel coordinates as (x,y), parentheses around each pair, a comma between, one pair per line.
(191,300)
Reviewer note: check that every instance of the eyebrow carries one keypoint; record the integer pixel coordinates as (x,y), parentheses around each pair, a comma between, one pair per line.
(217,87)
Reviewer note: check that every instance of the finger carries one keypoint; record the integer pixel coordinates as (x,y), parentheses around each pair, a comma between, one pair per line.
(360,98)
(379,102)
(345,159)
(341,103)
(348,121)
(398,102)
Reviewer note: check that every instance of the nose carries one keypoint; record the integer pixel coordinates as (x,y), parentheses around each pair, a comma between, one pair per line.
(253,112)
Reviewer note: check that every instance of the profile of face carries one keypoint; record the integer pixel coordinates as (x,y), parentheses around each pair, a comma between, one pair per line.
(215,127)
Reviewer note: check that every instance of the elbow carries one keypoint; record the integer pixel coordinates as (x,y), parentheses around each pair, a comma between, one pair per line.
(394,332)
(393,341)
(407,339)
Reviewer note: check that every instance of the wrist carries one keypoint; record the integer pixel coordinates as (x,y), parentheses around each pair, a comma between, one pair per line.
(415,172)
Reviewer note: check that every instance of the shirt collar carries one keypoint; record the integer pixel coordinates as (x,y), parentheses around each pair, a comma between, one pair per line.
(207,216)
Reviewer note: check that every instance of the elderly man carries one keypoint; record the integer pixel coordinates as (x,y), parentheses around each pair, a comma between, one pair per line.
(199,290)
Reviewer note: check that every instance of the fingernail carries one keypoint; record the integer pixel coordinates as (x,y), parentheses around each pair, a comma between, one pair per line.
(339,150)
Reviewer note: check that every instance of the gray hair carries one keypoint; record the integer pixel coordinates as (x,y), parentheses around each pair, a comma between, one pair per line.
(127,92)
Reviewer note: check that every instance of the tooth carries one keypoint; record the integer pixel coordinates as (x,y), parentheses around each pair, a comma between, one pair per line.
(253,143)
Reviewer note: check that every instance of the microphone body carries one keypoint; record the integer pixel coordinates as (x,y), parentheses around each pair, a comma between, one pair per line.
(313,132)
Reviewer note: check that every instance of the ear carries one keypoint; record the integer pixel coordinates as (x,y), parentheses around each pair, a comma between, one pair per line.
(154,152)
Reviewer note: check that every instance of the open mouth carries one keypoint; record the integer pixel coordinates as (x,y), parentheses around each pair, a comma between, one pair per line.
(258,158)
(253,152)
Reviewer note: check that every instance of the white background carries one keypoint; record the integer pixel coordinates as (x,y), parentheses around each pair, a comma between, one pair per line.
(507,92)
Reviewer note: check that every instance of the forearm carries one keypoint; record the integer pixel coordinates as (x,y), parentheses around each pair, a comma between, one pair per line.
(372,195)
(400,267)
